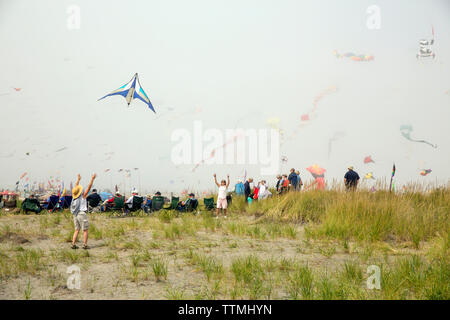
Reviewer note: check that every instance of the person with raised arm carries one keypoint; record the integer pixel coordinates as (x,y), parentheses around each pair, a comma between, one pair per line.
(222,195)
(79,209)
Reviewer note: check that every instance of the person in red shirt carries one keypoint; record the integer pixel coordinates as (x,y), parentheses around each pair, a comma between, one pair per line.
(110,202)
(256,192)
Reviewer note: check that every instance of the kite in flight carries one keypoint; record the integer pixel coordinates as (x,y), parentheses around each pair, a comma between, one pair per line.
(318,175)
(354,57)
(132,90)
(369,176)
(368,159)
(306,117)
(425,172)
(406,130)
(335,137)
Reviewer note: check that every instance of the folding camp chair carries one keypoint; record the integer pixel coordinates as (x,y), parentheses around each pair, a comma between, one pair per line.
(32,205)
(135,205)
(191,205)
(173,203)
(118,205)
(53,203)
(209,203)
(157,203)
(65,202)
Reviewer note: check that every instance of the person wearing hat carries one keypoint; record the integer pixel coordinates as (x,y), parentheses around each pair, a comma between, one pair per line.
(189,203)
(351,179)
(79,208)
(109,203)
(129,202)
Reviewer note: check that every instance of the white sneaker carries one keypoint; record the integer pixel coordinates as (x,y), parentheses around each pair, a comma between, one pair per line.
(217,217)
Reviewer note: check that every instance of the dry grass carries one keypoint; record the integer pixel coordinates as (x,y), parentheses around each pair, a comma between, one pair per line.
(311,245)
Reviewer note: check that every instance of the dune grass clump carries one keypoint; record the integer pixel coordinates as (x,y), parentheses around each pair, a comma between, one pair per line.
(385,216)
(160,268)
(210,265)
(414,216)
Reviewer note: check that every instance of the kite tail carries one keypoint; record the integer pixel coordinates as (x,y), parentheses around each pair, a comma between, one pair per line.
(426,142)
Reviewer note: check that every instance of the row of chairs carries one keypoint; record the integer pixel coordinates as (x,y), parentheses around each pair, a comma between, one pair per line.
(157,204)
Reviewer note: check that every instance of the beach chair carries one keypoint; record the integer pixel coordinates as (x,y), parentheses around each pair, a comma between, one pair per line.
(119,203)
(173,203)
(53,203)
(118,206)
(136,204)
(191,205)
(65,202)
(32,205)
(209,203)
(157,203)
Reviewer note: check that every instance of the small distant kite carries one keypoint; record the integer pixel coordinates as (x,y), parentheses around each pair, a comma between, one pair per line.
(354,57)
(368,159)
(425,47)
(132,90)
(284,159)
(369,176)
(107,170)
(335,137)
(306,117)
(406,130)
(425,172)
(17,89)
(232,139)
(61,149)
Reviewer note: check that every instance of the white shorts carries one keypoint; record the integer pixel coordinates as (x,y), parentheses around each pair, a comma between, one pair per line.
(81,221)
(222,203)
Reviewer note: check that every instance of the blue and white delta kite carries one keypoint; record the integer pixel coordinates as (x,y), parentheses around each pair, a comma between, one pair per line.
(132,90)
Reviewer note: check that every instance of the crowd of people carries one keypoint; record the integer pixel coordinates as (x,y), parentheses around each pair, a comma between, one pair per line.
(82,201)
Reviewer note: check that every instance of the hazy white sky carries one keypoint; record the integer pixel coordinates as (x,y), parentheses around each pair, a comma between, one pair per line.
(239,63)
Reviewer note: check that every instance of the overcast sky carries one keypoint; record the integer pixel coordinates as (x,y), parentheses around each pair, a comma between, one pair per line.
(227,63)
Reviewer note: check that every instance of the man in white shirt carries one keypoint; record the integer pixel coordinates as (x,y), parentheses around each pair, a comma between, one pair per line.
(129,202)
(79,208)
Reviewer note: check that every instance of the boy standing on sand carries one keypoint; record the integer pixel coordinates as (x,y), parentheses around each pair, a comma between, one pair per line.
(222,196)
(79,208)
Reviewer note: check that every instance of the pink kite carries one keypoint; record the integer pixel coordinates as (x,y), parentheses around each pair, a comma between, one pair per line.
(368,159)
